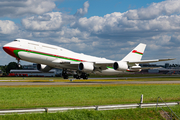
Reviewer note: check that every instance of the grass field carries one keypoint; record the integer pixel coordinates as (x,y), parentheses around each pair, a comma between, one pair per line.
(32,97)
(15,97)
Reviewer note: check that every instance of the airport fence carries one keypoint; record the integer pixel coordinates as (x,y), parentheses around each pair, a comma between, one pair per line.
(172,114)
(102,107)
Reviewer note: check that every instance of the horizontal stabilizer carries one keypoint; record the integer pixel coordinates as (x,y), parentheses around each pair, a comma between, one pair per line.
(139,67)
(149,61)
(145,68)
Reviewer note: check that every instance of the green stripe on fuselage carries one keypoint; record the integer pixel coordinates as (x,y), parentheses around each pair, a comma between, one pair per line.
(109,67)
(16,53)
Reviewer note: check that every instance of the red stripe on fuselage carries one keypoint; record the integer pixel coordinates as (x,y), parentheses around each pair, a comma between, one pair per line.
(10,51)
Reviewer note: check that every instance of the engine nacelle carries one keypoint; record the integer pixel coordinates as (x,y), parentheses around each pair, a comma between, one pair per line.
(86,67)
(43,68)
(120,66)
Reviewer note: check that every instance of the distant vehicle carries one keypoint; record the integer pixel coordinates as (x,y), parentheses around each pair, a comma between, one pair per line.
(49,56)
(17,75)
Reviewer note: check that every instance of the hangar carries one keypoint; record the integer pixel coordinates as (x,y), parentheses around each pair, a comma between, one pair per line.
(32,73)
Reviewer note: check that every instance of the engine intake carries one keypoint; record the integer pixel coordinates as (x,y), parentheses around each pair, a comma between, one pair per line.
(120,66)
(86,67)
(43,68)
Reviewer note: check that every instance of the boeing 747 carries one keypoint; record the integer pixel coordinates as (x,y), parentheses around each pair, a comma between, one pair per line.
(50,56)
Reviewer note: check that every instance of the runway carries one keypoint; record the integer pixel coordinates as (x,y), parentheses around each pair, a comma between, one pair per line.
(85,83)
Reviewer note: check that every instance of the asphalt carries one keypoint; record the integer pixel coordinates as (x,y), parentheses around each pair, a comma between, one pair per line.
(85,83)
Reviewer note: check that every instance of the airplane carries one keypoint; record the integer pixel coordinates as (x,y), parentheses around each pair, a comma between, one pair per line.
(50,56)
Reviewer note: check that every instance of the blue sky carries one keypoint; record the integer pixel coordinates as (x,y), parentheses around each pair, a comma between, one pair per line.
(103,7)
(104,28)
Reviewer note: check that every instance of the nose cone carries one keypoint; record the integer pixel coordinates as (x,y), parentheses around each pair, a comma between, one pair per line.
(9,50)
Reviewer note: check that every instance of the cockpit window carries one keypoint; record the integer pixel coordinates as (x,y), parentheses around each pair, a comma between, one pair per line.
(17,40)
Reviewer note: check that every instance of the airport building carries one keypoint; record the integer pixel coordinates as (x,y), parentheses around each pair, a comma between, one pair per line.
(31,71)
(163,69)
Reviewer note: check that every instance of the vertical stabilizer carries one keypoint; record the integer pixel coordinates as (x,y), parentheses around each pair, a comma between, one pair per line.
(136,54)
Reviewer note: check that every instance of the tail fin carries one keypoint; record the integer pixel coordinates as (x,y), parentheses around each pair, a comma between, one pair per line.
(136,53)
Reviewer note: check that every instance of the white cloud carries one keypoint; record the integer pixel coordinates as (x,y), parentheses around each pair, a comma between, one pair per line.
(167,7)
(68,40)
(25,7)
(8,27)
(53,20)
(162,39)
(142,20)
(82,11)
(48,21)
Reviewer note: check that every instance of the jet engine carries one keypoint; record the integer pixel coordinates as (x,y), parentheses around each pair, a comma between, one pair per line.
(86,67)
(43,68)
(120,66)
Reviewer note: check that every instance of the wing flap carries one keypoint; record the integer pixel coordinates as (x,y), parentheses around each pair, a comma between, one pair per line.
(104,63)
(58,61)
(70,63)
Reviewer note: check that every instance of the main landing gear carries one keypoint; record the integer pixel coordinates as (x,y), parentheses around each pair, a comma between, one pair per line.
(83,75)
(64,74)
(79,75)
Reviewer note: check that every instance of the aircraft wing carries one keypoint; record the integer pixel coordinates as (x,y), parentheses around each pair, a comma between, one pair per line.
(133,62)
(103,65)
(148,61)
(100,64)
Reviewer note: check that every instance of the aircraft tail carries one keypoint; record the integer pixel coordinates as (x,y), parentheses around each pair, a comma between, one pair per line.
(136,54)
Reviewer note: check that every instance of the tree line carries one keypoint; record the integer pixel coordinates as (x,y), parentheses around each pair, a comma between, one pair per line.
(6,69)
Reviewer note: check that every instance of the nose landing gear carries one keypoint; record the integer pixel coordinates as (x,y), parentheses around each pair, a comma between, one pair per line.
(18,63)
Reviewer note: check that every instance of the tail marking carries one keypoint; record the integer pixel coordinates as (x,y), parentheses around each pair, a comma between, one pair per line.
(135,51)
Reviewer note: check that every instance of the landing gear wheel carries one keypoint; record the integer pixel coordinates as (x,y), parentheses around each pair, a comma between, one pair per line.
(18,63)
(77,76)
(64,74)
(80,75)
(84,76)
(65,77)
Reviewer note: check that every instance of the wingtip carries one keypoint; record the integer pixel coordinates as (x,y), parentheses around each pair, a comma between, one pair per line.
(167,59)
(172,58)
